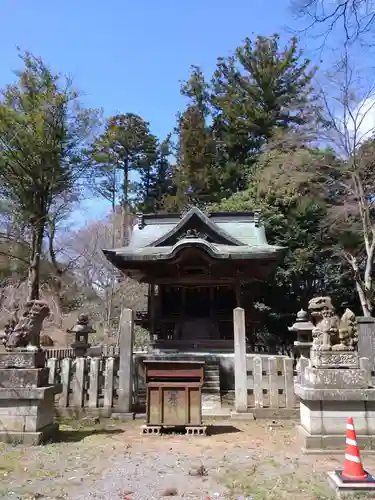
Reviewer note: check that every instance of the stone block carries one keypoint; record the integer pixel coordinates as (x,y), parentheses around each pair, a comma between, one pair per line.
(28,416)
(29,393)
(27,377)
(29,438)
(365,489)
(340,378)
(26,413)
(22,359)
(211,401)
(242,416)
(334,394)
(332,443)
(334,359)
(331,417)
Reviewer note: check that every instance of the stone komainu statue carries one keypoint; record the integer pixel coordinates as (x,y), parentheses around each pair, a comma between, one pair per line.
(27,330)
(330,332)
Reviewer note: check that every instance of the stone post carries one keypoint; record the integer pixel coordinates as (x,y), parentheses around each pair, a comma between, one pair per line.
(240,371)
(126,343)
(366,339)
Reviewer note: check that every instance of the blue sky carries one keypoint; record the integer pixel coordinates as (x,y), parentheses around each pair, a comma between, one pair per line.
(127,56)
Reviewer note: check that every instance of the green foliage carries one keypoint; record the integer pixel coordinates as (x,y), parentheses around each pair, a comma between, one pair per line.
(259,90)
(42,137)
(130,164)
(294,203)
(242,143)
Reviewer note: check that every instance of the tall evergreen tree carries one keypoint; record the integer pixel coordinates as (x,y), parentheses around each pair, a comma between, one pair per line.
(156,183)
(261,88)
(126,148)
(195,170)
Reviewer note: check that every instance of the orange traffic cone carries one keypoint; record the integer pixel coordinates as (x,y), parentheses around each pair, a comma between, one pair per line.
(352,465)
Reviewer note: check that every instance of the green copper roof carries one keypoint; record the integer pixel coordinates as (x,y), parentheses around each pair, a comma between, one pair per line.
(244,226)
(232,236)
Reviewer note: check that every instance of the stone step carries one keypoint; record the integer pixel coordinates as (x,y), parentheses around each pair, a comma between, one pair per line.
(210,390)
(212,369)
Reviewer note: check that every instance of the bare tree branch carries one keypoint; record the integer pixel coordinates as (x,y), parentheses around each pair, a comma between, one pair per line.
(348,132)
(354,18)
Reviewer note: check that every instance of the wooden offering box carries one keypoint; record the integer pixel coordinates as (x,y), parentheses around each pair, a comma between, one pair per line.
(174,393)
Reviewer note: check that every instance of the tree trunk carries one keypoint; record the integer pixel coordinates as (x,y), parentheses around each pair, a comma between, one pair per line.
(112,285)
(58,298)
(125,206)
(34,269)
(364,300)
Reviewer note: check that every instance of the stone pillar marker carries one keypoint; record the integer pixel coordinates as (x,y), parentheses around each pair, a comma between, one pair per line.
(366,339)
(123,407)
(240,371)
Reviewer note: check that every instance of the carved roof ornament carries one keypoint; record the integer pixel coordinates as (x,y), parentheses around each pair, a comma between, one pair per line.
(186,208)
(192,234)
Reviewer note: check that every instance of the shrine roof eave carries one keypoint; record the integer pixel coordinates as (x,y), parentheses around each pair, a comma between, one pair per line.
(223,252)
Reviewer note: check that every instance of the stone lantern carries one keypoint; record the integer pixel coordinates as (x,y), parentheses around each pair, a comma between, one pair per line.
(303,328)
(81,331)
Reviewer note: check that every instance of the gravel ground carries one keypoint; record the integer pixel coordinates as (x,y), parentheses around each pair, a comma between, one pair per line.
(112,461)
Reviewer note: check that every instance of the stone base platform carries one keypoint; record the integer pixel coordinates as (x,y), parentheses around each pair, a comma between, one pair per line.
(330,444)
(324,414)
(27,413)
(245,416)
(365,489)
(30,438)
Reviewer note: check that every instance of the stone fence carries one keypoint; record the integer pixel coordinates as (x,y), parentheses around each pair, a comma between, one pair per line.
(104,350)
(270,382)
(91,385)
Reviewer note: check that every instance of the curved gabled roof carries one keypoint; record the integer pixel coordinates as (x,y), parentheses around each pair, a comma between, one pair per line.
(162,237)
(241,228)
(221,233)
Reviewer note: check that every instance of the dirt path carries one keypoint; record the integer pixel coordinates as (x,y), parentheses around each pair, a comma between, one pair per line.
(255,460)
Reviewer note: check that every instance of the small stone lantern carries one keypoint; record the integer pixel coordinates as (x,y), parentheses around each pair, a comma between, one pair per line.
(81,331)
(303,327)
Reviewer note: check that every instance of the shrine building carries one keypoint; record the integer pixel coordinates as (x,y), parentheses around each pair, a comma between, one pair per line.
(198,267)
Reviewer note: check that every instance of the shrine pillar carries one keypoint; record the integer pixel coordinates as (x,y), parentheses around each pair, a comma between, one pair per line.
(240,370)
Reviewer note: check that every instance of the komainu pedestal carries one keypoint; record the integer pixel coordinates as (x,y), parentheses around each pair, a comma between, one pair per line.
(333,384)
(26,398)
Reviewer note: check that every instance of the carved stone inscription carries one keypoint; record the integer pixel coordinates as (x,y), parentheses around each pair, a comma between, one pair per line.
(337,359)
